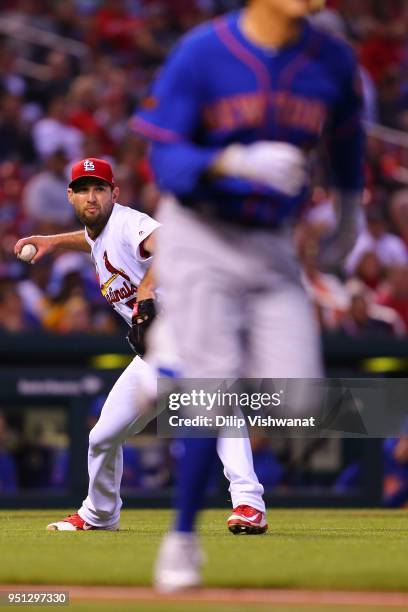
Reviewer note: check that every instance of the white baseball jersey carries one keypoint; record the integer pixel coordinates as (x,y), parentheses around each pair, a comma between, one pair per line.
(119,258)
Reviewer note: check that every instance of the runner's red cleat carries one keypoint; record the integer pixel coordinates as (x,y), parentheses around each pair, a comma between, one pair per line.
(247,520)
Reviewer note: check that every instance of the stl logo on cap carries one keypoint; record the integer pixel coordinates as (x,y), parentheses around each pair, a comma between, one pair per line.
(89,166)
(92,167)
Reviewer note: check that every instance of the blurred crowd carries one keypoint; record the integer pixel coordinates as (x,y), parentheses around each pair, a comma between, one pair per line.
(72,73)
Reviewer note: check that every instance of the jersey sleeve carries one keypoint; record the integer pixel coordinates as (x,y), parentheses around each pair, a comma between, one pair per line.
(170,119)
(346,138)
(171,111)
(135,229)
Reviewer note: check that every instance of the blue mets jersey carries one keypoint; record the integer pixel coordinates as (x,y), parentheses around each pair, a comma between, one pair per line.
(218,88)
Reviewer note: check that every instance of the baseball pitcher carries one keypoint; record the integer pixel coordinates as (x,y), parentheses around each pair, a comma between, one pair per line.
(121,243)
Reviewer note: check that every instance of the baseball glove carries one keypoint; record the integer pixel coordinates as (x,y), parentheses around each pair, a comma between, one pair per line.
(143,315)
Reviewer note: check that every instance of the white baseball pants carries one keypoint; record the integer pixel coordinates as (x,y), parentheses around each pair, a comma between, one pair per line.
(119,419)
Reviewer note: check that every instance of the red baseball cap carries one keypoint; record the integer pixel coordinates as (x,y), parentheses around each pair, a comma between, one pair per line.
(92,167)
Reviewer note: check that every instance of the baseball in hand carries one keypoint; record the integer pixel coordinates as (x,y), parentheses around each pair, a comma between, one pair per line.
(27,252)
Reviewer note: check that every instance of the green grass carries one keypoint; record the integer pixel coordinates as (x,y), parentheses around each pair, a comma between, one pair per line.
(336,549)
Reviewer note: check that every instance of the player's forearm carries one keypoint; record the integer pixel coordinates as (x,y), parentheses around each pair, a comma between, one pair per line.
(146,289)
(338,245)
(349,205)
(346,149)
(72,241)
(44,245)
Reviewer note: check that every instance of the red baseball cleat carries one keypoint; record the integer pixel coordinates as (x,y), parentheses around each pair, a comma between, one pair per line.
(74,522)
(247,520)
